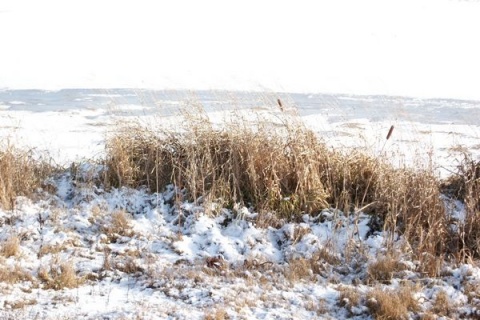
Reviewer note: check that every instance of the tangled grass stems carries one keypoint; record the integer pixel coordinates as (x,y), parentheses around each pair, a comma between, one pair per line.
(464,186)
(250,166)
(21,173)
(280,167)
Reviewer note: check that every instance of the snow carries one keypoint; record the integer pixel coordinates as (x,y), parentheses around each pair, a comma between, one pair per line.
(176,282)
(190,264)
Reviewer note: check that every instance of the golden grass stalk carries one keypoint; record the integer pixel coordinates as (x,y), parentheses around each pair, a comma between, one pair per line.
(21,173)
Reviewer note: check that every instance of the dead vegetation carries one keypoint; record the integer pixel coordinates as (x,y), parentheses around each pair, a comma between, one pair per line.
(128,265)
(19,304)
(279,167)
(116,225)
(442,306)
(14,274)
(253,166)
(283,172)
(464,185)
(319,263)
(58,275)
(217,314)
(21,173)
(350,298)
(282,168)
(51,249)
(383,269)
(392,304)
(10,247)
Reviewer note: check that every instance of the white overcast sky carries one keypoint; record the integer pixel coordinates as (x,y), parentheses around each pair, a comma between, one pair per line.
(426,48)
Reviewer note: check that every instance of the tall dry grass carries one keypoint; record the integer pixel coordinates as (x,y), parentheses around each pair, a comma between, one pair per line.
(398,304)
(21,173)
(280,167)
(276,165)
(262,166)
(464,185)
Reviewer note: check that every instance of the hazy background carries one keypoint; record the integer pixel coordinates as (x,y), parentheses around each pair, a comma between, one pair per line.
(416,48)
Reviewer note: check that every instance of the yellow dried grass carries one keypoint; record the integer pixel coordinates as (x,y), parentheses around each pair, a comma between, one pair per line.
(21,173)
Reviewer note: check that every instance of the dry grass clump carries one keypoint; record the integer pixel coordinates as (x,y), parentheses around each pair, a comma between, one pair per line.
(383,269)
(120,222)
(298,269)
(14,274)
(128,265)
(464,181)
(405,199)
(442,305)
(19,304)
(349,298)
(10,247)
(217,314)
(21,173)
(353,180)
(416,208)
(270,168)
(278,167)
(305,268)
(465,186)
(58,276)
(135,159)
(390,304)
(472,291)
(117,225)
(51,249)
(283,168)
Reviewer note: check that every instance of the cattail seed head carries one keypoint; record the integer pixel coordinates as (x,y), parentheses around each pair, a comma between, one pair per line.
(390,132)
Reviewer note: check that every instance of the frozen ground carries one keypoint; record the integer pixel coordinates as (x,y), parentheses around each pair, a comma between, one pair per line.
(137,255)
(146,256)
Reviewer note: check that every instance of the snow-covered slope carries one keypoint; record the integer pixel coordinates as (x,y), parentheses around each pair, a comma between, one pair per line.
(79,251)
(140,255)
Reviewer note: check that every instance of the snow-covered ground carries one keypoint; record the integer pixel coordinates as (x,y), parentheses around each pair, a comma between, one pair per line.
(138,255)
(72,124)
(170,260)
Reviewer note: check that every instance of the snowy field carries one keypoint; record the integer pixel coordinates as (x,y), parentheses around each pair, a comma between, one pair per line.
(138,255)
(72,124)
